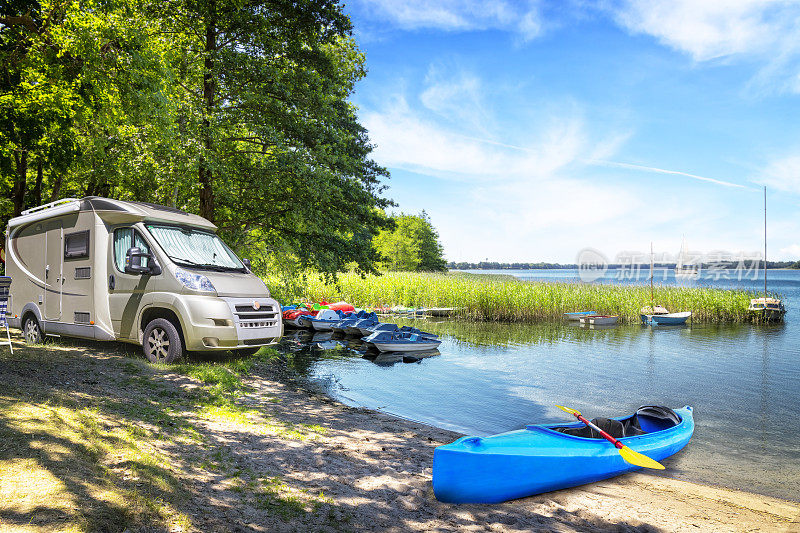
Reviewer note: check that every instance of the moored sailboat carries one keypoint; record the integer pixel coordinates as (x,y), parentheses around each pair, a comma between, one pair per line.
(684,270)
(766,309)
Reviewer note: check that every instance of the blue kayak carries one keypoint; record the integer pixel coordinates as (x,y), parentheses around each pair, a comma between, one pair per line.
(546,457)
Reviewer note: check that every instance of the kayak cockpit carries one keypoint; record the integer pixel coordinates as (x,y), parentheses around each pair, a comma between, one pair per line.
(646,419)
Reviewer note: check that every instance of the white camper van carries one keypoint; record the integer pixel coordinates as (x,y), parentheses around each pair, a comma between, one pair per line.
(107,269)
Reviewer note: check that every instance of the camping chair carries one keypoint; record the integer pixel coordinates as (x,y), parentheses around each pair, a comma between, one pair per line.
(4,322)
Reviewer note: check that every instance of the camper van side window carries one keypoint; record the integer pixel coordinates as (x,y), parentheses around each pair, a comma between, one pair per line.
(124,239)
(76,245)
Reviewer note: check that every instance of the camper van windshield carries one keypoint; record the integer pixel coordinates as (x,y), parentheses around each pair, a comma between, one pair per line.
(195,247)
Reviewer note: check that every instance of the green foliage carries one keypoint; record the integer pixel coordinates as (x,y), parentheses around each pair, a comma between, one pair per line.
(234,110)
(412,245)
(81,82)
(503,298)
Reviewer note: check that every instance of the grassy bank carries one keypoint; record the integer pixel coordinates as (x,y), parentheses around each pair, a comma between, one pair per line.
(503,298)
(93,438)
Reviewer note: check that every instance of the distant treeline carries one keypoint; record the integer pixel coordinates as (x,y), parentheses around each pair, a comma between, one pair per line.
(493,265)
(726,265)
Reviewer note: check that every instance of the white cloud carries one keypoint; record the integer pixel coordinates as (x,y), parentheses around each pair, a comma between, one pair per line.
(657,170)
(708,29)
(766,32)
(408,140)
(456,95)
(782,174)
(457,15)
(791,252)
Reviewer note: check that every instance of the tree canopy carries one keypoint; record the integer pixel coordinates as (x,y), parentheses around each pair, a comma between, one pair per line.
(238,111)
(413,244)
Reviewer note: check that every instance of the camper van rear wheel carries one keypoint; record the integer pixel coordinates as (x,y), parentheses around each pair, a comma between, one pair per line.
(162,342)
(32,331)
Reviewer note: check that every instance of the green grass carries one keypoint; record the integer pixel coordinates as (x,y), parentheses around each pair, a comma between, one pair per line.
(80,458)
(502,298)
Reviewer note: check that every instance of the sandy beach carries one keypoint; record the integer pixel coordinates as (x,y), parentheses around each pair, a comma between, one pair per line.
(285,459)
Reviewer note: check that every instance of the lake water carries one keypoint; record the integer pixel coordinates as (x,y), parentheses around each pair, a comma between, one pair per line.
(743,381)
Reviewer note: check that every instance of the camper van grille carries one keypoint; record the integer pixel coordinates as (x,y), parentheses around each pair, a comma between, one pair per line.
(83,273)
(264,308)
(255,326)
(81,317)
(249,317)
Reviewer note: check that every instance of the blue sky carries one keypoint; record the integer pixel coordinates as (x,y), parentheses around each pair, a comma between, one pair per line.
(530,130)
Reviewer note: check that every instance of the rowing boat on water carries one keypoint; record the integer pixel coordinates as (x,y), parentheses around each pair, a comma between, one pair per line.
(599,320)
(577,315)
(671,319)
(546,457)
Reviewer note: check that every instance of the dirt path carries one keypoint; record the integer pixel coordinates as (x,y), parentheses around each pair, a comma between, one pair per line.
(94,438)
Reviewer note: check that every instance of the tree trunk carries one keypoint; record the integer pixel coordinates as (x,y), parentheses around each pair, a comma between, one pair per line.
(37,187)
(20,179)
(205,174)
(56,190)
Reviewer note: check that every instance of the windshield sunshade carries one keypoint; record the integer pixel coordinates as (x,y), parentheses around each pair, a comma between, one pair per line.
(194,247)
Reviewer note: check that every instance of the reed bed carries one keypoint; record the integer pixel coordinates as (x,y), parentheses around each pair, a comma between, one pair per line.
(500,298)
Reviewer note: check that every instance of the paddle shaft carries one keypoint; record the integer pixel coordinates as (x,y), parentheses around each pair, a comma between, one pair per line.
(608,437)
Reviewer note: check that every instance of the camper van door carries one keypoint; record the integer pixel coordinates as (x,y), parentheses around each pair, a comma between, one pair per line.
(126,290)
(53,270)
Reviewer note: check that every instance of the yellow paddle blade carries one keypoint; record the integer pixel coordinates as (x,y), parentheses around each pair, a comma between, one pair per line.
(570,411)
(638,459)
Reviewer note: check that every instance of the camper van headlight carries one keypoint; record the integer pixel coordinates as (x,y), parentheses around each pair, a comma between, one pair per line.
(196,282)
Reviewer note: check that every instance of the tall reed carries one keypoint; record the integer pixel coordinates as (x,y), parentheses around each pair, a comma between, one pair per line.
(502,298)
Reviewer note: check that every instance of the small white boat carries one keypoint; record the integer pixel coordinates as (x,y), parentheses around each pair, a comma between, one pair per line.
(324,320)
(441,311)
(768,309)
(387,341)
(684,268)
(671,319)
(600,320)
(648,312)
(576,316)
(765,308)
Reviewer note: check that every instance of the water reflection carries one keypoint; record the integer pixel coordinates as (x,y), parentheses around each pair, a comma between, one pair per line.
(307,347)
(488,378)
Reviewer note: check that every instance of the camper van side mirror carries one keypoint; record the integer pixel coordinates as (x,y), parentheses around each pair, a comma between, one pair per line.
(133,262)
(246,263)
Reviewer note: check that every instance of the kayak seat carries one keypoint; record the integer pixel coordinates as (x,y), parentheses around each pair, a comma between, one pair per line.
(627,427)
(656,418)
(647,419)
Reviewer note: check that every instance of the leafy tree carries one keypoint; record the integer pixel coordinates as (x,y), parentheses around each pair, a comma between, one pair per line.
(282,163)
(413,245)
(236,110)
(79,81)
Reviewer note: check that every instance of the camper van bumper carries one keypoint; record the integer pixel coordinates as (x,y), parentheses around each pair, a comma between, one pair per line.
(226,323)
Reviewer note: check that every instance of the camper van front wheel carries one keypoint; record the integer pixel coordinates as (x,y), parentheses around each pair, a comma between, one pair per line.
(162,342)
(33,333)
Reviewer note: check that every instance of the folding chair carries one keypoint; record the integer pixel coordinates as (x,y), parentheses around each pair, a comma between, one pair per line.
(4,322)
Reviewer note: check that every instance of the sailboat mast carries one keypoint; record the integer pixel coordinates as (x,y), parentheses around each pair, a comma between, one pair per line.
(652,300)
(765,241)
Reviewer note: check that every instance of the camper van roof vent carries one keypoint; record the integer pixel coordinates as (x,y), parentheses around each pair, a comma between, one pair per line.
(162,208)
(48,206)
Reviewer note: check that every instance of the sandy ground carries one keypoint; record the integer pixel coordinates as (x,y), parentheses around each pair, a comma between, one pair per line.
(378,468)
(303,462)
